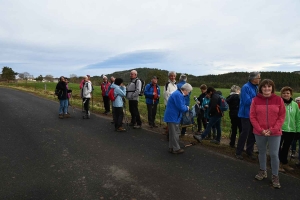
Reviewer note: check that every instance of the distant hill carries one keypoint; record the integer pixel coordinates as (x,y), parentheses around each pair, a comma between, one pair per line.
(281,79)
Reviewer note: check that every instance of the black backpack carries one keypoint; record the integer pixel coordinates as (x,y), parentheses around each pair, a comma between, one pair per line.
(142,87)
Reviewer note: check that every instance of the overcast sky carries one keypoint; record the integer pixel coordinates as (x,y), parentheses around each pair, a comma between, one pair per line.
(199,37)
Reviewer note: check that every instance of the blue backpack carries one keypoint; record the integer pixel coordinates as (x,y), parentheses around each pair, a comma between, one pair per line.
(223,105)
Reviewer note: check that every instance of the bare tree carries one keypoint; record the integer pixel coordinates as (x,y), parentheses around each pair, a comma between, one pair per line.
(73,78)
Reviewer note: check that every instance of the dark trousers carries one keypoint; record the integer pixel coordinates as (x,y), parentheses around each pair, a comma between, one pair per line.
(201,120)
(235,125)
(106,102)
(152,108)
(246,135)
(86,104)
(118,116)
(134,111)
(285,143)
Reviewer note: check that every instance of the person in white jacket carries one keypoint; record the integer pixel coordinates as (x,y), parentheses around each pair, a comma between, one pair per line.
(86,96)
(169,88)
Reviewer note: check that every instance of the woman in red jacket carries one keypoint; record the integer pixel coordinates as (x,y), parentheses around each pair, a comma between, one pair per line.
(267,114)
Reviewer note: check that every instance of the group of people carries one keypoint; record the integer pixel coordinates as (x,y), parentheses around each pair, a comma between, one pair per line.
(255,111)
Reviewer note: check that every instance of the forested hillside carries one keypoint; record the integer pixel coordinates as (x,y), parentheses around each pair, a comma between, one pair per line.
(281,79)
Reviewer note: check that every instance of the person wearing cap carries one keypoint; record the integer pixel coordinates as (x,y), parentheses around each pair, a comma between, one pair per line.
(182,81)
(173,114)
(248,92)
(104,88)
(152,94)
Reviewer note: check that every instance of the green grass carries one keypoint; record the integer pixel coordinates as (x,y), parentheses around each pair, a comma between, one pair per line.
(47,90)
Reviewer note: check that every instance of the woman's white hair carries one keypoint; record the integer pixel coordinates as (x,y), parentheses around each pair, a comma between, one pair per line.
(171,72)
(187,87)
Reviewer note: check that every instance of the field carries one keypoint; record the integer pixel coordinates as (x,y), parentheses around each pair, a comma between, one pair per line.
(47,90)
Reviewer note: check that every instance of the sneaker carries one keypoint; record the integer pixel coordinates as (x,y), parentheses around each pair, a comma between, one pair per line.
(280,169)
(238,156)
(121,129)
(287,167)
(261,175)
(275,181)
(178,151)
(137,127)
(215,141)
(198,138)
(60,116)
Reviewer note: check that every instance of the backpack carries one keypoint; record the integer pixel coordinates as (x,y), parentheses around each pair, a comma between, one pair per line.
(111,94)
(223,105)
(187,118)
(142,87)
(57,92)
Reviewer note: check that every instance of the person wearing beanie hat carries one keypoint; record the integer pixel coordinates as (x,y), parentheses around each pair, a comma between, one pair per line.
(248,92)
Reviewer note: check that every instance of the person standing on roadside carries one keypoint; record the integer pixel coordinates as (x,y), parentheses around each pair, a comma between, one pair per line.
(267,114)
(62,94)
(248,92)
(104,88)
(152,94)
(201,120)
(86,96)
(173,114)
(169,88)
(133,90)
(290,128)
(182,81)
(233,101)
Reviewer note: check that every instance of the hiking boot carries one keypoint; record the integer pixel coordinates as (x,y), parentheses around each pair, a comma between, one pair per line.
(232,145)
(238,156)
(155,126)
(287,167)
(198,138)
(215,141)
(67,115)
(137,127)
(60,116)
(131,124)
(170,150)
(121,129)
(178,151)
(280,169)
(275,181)
(261,175)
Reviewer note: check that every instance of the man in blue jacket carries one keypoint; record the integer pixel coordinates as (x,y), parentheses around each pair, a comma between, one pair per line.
(152,94)
(248,92)
(173,114)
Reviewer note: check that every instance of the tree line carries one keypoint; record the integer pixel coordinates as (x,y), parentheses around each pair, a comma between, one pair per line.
(281,79)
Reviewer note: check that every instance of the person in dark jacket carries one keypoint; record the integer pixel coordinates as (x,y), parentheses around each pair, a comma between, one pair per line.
(215,115)
(233,101)
(201,120)
(62,95)
(152,94)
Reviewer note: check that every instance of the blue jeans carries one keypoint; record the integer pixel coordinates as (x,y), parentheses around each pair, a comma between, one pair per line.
(216,122)
(273,142)
(63,108)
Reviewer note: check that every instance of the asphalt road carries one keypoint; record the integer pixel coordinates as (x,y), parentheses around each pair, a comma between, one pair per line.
(44,157)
